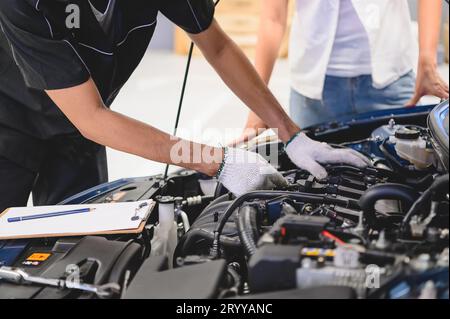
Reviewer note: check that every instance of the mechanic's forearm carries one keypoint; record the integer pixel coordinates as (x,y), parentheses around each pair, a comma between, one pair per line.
(241,77)
(429,13)
(125,134)
(84,108)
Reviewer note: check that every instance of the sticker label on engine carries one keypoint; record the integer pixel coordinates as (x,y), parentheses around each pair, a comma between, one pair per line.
(39,257)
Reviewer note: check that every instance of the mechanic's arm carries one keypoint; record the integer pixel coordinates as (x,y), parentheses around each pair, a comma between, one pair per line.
(240,171)
(429,81)
(241,77)
(83,106)
(272,29)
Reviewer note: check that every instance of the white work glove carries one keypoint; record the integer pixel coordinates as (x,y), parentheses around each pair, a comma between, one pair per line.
(307,154)
(243,171)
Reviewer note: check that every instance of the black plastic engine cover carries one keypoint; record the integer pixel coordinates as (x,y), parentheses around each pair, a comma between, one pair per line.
(200,281)
(109,261)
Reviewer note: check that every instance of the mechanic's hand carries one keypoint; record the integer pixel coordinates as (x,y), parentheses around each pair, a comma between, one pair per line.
(429,82)
(243,171)
(307,154)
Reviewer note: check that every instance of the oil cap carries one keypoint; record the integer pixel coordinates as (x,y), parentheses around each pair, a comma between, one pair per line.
(407,134)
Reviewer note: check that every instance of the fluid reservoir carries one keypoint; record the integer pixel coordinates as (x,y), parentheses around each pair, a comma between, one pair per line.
(411,146)
(165,237)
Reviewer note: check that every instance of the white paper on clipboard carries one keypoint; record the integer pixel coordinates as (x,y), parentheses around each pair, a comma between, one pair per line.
(104,219)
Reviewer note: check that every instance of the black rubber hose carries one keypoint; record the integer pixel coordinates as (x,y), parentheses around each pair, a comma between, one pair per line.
(192,237)
(406,194)
(245,221)
(438,189)
(264,195)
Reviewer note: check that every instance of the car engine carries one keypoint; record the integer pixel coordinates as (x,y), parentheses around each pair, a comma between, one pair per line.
(380,232)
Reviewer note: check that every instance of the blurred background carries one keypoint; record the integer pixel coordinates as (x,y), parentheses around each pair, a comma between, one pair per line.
(153,92)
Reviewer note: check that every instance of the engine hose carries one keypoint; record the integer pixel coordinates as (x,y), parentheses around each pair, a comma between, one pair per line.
(406,194)
(246,225)
(439,188)
(185,220)
(193,236)
(264,195)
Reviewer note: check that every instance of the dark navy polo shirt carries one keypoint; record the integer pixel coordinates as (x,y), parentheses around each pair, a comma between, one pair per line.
(43,48)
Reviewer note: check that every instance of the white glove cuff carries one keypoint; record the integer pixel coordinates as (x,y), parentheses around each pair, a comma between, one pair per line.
(295,143)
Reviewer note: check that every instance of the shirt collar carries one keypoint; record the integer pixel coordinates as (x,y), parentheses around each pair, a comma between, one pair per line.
(105,19)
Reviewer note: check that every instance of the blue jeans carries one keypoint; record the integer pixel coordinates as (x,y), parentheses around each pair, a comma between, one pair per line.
(347,96)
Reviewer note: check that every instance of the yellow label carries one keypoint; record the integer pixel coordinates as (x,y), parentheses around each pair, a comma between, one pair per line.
(39,257)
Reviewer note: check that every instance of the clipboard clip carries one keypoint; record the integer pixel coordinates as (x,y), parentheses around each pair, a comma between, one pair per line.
(137,211)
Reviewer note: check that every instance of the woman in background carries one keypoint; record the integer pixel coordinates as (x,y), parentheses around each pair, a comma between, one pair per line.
(350,56)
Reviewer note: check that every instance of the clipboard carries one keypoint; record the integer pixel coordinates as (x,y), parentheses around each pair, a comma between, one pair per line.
(107,219)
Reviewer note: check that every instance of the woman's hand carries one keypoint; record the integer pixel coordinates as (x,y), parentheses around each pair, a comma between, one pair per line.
(429,82)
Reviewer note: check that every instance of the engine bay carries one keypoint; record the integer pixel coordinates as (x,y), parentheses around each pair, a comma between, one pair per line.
(381,232)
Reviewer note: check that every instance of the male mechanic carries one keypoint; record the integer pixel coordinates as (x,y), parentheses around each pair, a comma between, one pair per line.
(57,83)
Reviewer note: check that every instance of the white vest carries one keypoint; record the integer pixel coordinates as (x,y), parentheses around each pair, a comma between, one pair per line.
(393,47)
